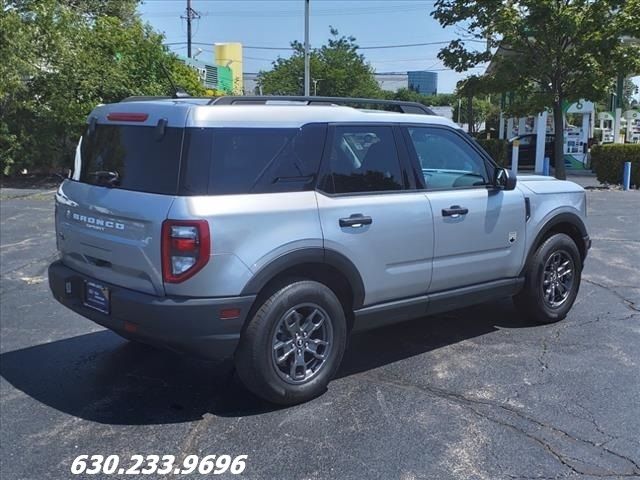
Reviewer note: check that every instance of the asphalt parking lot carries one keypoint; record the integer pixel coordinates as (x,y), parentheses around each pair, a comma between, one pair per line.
(474,394)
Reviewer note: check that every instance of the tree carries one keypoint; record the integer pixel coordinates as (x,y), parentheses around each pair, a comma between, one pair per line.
(483,112)
(408,95)
(337,67)
(548,51)
(61,58)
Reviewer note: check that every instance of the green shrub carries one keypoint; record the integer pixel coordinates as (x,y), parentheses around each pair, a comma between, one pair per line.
(498,149)
(608,162)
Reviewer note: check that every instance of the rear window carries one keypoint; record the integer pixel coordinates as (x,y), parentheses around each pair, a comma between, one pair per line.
(219,161)
(144,159)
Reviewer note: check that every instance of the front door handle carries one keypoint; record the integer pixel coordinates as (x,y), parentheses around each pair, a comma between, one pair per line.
(356,220)
(454,211)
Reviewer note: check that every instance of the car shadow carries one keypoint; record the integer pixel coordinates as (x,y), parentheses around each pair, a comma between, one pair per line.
(103,378)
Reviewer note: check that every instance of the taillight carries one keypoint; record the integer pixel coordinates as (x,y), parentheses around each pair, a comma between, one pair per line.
(185,248)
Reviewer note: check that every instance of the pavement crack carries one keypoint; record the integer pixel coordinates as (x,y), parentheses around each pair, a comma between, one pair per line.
(591,418)
(628,303)
(473,405)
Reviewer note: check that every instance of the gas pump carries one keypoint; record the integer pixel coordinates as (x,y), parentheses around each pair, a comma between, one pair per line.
(606,120)
(632,118)
(576,137)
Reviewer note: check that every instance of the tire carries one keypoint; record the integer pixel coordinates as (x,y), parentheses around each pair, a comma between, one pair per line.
(552,280)
(303,314)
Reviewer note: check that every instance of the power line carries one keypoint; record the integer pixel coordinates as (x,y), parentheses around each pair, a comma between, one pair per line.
(370,47)
(318,12)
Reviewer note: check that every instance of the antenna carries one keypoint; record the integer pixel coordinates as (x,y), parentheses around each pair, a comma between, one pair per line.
(177,91)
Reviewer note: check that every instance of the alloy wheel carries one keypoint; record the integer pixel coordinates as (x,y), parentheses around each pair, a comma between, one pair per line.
(557,279)
(301,343)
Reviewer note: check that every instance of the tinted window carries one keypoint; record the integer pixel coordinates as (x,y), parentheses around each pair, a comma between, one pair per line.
(363,159)
(132,158)
(447,161)
(251,160)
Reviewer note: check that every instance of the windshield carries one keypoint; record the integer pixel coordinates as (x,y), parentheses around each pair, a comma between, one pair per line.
(144,159)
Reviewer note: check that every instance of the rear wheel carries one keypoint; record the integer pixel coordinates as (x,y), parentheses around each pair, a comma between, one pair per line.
(294,343)
(552,280)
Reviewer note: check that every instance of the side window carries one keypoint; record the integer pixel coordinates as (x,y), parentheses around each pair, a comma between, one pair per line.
(223,161)
(446,160)
(363,159)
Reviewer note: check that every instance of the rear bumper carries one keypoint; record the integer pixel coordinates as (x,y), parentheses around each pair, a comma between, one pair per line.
(190,325)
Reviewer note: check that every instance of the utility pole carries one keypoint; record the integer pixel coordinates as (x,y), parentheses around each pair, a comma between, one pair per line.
(190,15)
(306,49)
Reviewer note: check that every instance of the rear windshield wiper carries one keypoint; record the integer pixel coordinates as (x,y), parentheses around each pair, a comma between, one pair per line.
(106,178)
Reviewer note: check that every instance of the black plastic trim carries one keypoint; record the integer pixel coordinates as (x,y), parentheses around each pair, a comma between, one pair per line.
(309,255)
(191,325)
(565,217)
(397,311)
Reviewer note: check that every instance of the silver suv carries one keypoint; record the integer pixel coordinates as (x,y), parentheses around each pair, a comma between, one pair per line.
(271,232)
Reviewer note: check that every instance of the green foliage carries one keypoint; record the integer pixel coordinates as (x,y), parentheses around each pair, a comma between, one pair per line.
(339,69)
(61,58)
(483,112)
(608,162)
(408,95)
(549,51)
(498,149)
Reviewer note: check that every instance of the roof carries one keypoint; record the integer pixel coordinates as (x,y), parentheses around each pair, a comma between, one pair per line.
(196,113)
(298,115)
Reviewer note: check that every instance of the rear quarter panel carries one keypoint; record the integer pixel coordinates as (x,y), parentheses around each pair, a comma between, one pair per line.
(247,233)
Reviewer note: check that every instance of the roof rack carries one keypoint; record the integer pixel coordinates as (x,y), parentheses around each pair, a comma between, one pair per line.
(397,105)
(151,98)
(142,98)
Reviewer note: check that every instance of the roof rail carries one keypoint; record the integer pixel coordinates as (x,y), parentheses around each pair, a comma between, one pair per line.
(397,105)
(142,98)
(151,98)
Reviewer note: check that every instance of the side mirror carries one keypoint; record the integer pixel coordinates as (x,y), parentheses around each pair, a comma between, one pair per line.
(504,179)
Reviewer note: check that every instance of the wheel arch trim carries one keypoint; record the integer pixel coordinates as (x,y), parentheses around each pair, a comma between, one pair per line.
(560,218)
(308,255)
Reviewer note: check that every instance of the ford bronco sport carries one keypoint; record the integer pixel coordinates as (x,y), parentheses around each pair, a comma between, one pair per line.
(270,232)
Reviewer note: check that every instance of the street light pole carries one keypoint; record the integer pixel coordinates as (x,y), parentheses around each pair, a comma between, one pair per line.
(306,48)
(315,86)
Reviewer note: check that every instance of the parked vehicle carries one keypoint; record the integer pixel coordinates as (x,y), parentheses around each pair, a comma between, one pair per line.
(271,232)
(527,150)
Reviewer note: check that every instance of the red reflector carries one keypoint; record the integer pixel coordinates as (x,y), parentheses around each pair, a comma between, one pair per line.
(127,117)
(130,327)
(184,244)
(229,313)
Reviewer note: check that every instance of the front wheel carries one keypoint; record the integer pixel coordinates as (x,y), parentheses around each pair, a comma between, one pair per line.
(294,343)
(552,280)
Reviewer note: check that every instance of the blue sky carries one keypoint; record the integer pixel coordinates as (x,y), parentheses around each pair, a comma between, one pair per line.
(274,23)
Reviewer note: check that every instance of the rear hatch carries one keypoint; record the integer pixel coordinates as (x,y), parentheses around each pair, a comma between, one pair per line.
(109,214)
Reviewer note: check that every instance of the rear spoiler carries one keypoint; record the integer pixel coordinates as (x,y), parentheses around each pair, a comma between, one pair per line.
(394,105)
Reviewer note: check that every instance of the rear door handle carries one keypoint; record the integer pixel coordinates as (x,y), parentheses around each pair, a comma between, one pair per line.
(356,220)
(454,211)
